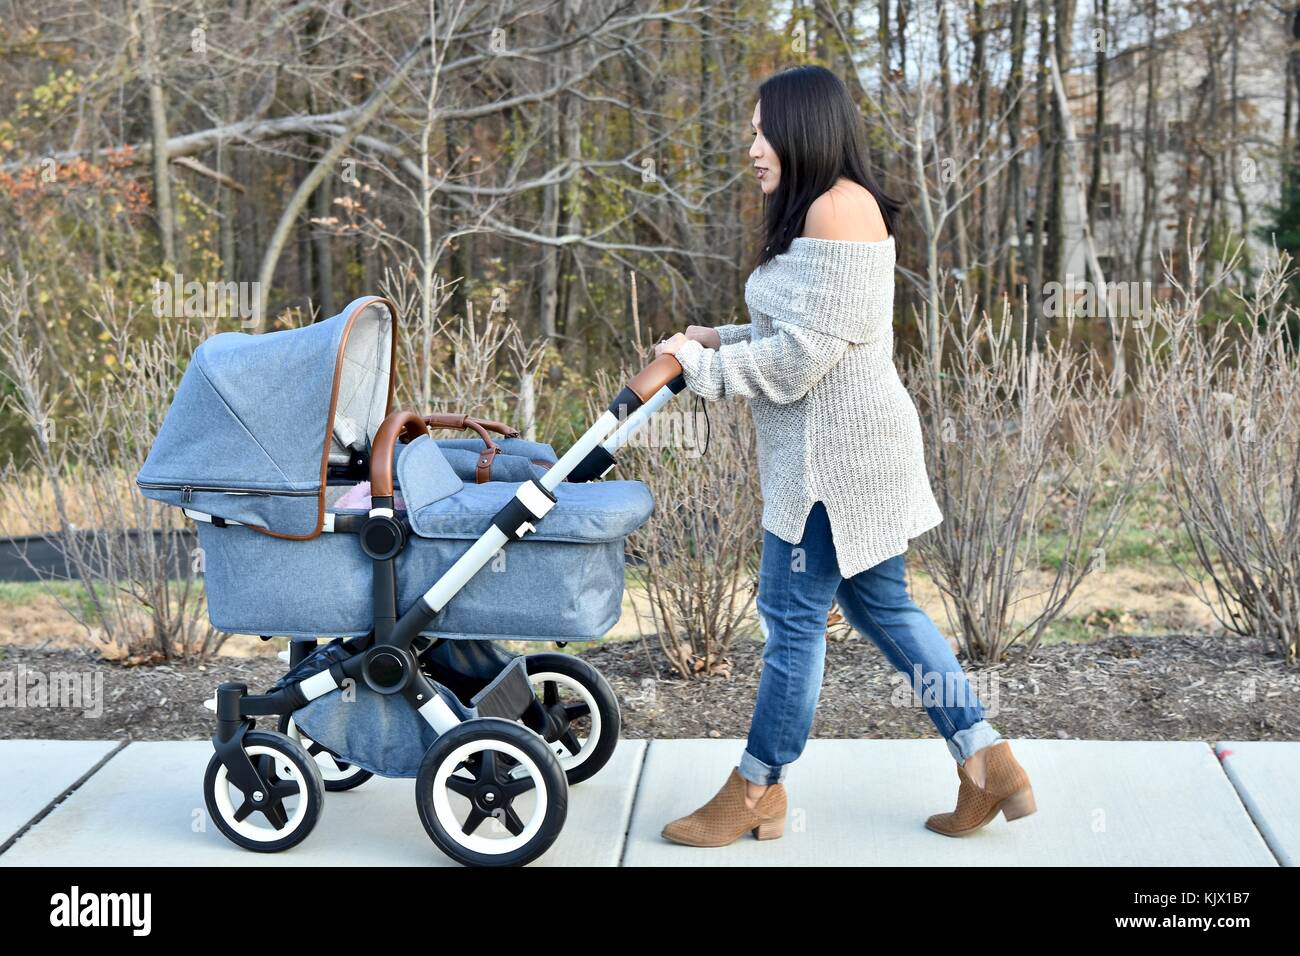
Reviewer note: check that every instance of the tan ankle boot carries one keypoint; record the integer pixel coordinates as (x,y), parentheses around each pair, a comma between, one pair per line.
(725,817)
(1006,789)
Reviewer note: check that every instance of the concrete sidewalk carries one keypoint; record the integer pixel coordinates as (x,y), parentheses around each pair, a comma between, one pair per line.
(852,802)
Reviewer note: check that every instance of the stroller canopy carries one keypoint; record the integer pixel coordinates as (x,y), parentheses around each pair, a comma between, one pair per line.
(258,419)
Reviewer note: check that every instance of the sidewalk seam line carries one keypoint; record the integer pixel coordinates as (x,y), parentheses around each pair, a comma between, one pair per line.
(49,807)
(1244,805)
(636,793)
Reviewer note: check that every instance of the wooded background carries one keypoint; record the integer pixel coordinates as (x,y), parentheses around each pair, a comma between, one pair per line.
(533,155)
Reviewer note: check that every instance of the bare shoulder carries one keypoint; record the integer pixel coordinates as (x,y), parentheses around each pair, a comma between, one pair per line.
(846,212)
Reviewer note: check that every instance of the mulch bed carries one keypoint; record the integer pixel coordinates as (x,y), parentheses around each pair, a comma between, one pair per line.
(1115,688)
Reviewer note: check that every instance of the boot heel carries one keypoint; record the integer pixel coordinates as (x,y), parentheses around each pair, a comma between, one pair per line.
(770,830)
(1019,804)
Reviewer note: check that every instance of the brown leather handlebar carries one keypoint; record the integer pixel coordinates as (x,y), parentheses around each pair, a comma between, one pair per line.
(403,424)
(655,376)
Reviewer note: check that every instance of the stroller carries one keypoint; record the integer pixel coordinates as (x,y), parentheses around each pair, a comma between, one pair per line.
(266,446)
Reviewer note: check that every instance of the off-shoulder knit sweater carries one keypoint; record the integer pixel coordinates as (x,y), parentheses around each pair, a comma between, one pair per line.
(833,421)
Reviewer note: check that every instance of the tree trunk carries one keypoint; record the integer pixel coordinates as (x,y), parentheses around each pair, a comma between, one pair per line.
(948,119)
(162,185)
(1099,120)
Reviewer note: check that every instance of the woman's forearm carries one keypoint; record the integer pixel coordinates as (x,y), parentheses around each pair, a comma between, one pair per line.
(781,367)
(734,333)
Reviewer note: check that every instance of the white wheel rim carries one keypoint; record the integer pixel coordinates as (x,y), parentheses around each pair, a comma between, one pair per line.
(567,760)
(329,768)
(245,827)
(451,823)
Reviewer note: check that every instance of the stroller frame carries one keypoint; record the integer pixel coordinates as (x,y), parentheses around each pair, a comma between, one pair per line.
(384,659)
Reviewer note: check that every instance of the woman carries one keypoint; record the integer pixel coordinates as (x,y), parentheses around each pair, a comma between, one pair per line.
(841,464)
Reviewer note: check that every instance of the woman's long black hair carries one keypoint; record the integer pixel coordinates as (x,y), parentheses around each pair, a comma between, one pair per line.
(811,122)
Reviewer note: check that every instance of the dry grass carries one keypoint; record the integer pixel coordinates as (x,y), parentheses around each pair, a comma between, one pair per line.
(29,507)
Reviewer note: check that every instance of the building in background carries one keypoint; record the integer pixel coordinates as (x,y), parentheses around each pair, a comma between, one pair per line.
(1191,142)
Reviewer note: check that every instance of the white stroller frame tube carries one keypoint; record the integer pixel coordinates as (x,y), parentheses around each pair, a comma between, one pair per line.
(561,469)
(534,499)
(494,539)
(638,418)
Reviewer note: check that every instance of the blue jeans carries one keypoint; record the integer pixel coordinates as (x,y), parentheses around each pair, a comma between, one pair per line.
(796,586)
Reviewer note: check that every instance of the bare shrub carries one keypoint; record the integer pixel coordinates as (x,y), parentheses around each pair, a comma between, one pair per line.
(698,555)
(1226,402)
(1020,441)
(130,555)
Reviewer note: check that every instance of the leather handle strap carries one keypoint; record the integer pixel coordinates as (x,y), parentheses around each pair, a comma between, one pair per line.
(501,428)
(483,469)
(443,420)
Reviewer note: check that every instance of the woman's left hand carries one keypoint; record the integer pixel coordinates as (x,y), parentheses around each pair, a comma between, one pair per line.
(670,346)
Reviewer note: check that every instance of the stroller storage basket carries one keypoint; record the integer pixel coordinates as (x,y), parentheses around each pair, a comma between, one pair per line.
(363,728)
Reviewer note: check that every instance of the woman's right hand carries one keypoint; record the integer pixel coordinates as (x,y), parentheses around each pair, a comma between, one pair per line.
(706,336)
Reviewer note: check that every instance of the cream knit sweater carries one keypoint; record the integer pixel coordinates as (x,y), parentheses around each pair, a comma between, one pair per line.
(833,420)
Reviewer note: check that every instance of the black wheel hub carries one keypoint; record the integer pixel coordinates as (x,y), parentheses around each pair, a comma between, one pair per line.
(269,802)
(489,799)
(492,791)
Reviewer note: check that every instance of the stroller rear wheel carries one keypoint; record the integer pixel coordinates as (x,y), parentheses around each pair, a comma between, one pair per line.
(491,793)
(287,814)
(582,712)
(338,774)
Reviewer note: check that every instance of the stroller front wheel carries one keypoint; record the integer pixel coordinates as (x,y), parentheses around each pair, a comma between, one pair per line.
(337,774)
(491,793)
(272,821)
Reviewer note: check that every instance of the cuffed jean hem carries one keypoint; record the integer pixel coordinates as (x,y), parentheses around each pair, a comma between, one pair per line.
(975,737)
(759,773)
